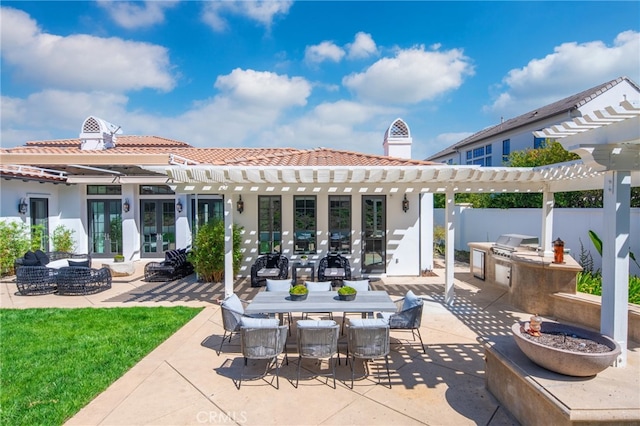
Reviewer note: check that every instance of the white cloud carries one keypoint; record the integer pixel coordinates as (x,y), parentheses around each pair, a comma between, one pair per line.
(80,62)
(135,14)
(413,75)
(325,51)
(444,140)
(262,11)
(571,68)
(363,46)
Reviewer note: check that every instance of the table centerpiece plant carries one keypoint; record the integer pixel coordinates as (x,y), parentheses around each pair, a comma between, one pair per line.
(347,293)
(298,292)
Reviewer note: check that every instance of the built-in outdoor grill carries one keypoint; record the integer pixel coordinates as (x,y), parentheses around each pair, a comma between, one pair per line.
(508,243)
(503,249)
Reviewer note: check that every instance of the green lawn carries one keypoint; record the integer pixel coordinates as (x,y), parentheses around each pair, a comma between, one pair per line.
(55,361)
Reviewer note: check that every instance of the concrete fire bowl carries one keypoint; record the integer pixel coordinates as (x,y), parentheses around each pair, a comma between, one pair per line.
(569,363)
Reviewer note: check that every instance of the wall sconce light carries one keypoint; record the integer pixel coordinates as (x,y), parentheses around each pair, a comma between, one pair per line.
(240,205)
(22,206)
(179,206)
(405,204)
(126,206)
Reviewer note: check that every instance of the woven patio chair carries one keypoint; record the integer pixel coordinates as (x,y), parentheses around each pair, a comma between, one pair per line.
(264,343)
(361,286)
(78,280)
(408,317)
(274,266)
(36,280)
(334,267)
(318,340)
(232,311)
(368,339)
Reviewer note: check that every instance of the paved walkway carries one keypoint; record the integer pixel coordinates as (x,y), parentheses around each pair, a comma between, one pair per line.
(185,382)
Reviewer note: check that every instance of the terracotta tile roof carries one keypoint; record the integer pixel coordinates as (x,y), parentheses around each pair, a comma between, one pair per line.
(124,141)
(31,173)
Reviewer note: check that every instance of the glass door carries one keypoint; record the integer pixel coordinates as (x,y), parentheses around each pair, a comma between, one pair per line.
(39,208)
(105,227)
(158,227)
(374,239)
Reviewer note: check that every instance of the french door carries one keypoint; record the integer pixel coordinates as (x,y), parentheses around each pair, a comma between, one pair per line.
(158,219)
(39,208)
(105,227)
(374,239)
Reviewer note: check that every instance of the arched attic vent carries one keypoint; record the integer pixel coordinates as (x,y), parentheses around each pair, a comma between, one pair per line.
(98,134)
(397,140)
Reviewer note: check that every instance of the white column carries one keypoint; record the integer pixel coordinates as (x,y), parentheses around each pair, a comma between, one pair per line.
(426,232)
(547,222)
(449,241)
(228,245)
(615,260)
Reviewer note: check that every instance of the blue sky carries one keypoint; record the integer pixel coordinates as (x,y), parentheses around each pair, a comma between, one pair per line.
(302,74)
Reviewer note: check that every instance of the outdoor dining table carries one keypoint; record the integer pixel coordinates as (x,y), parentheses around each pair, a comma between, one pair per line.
(279,302)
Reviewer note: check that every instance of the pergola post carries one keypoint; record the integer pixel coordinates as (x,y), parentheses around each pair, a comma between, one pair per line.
(615,260)
(449,243)
(228,245)
(547,222)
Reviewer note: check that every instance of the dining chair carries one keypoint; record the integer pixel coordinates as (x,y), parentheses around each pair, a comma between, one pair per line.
(318,286)
(263,339)
(407,317)
(318,339)
(232,310)
(368,339)
(281,285)
(361,286)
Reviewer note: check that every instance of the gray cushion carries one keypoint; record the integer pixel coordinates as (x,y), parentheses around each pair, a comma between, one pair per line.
(278,285)
(80,263)
(368,322)
(318,285)
(315,323)
(233,303)
(359,285)
(411,301)
(249,322)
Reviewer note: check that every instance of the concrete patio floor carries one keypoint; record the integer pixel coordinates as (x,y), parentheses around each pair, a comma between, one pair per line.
(184,381)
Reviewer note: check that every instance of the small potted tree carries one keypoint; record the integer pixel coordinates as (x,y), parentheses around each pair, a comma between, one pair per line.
(298,292)
(304,259)
(347,293)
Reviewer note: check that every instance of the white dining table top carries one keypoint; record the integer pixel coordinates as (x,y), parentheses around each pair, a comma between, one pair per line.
(271,302)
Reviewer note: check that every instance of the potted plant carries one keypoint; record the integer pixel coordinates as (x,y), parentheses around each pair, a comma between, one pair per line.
(347,293)
(304,259)
(118,258)
(298,292)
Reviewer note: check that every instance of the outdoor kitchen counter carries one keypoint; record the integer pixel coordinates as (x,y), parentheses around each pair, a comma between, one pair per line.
(531,278)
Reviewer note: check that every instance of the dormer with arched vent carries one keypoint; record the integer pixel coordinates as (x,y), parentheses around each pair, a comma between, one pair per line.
(97,134)
(397,140)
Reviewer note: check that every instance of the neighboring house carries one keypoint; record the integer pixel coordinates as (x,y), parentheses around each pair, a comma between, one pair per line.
(143,195)
(492,146)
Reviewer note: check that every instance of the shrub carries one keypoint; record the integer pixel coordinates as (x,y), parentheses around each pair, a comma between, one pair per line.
(62,238)
(14,242)
(346,290)
(299,289)
(207,255)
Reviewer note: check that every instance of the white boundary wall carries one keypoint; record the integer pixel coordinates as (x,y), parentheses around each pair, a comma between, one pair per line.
(570,225)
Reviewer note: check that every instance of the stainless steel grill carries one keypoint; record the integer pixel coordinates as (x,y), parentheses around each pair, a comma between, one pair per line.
(506,244)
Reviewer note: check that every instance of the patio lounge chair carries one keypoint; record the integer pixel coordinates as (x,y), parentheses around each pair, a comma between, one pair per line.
(408,316)
(263,339)
(36,272)
(334,267)
(174,266)
(274,265)
(81,280)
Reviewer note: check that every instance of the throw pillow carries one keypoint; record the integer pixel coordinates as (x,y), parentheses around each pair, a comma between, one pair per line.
(233,303)
(272,261)
(315,323)
(249,322)
(80,263)
(30,259)
(410,301)
(43,259)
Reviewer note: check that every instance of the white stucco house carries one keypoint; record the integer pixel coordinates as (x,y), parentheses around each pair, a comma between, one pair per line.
(492,146)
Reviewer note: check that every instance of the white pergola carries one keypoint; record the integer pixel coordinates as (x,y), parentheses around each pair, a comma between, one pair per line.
(610,160)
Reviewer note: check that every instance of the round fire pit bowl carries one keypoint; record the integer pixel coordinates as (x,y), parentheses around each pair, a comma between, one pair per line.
(563,361)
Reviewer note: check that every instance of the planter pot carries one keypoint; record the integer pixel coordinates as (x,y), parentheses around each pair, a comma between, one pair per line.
(347,297)
(570,363)
(118,259)
(297,297)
